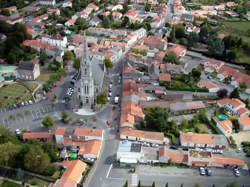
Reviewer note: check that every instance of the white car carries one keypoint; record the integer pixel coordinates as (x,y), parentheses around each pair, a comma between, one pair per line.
(202,171)
(110,85)
(17,131)
(110,94)
(108,98)
(30,102)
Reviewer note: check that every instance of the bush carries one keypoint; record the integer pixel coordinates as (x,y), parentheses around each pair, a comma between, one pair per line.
(188,89)
(50,170)
(173,140)
(233,144)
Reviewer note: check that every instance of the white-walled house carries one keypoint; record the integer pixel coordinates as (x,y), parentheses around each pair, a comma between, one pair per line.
(59,135)
(225,126)
(213,88)
(89,134)
(244,122)
(55,40)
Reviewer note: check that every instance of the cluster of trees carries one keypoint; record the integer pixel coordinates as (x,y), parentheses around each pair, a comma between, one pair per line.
(12,48)
(171,57)
(108,63)
(101,98)
(80,24)
(53,78)
(33,155)
(54,66)
(137,51)
(18,3)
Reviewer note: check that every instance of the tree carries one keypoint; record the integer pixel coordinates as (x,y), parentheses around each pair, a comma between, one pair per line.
(11,116)
(125,21)
(172,34)
(126,184)
(153,185)
(192,38)
(36,160)
(77,63)
(181,185)
(67,56)
(108,63)
(50,170)
(43,57)
(203,33)
(233,184)
(215,46)
(196,73)
(7,136)
(180,31)
(125,8)
(5,12)
(157,119)
(243,86)
(147,7)
(222,93)
(197,184)
(51,149)
(166,185)
(27,112)
(171,57)
(64,115)
(9,153)
(101,98)
(235,93)
(81,23)
(48,121)
(139,184)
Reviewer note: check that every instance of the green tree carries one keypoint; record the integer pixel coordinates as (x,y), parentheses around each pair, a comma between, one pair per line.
(67,56)
(51,149)
(27,112)
(64,115)
(172,34)
(243,86)
(181,185)
(11,116)
(157,119)
(166,185)
(9,153)
(50,170)
(235,93)
(215,46)
(7,136)
(196,73)
(171,57)
(101,98)
(147,7)
(5,12)
(76,64)
(203,35)
(126,184)
(180,31)
(222,93)
(43,57)
(125,8)
(233,184)
(153,185)
(139,184)
(108,63)
(48,121)
(36,160)
(192,38)
(197,184)
(82,23)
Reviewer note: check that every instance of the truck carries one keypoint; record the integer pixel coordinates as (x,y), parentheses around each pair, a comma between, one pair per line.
(116,100)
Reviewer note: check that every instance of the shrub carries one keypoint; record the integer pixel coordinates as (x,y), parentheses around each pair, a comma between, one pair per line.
(173,140)
(50,170)
(233,144)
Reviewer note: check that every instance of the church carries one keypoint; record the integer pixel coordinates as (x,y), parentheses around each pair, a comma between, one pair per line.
(91,77)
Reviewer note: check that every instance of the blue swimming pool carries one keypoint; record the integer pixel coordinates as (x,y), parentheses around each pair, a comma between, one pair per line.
(68,32)
(222,116)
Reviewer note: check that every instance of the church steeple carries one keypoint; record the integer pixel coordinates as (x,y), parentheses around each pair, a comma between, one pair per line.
(85,64)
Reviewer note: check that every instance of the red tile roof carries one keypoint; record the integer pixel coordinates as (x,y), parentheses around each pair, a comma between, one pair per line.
(230,161)
(88,132)
(173,155)
(245,120)
(90,147)
(36,135)
(197,138)
(177,49)
(164,77)
(60,130)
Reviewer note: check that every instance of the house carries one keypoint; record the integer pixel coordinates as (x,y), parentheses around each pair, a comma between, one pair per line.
(233,106)
(212,87)
(187,17)
(164,77)
(166,154)
(72,175)
(90,149)
(220,161)
(153,71)
(12,9)
(203,140)
(157,22)
(89,134)
(112,56)
(244,122)
(37,135)
(117,16)
(7,73)
(171,68)
(179,50)
(226,71)
(115,7)
(55,40)
(47,2)
(95,21)
(225,126)
(214,64)
(59,135)
(70,22)
(231,4)
(191,28)
(130,14)
(199,158)
(155,42)
(92,7)
(28,70)
(67,4)
(128,133)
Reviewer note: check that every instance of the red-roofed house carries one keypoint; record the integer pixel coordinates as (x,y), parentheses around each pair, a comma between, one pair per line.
(244,122)
(89,134)
(90,149)
(164,77)
(179,50)
(214,63)
(225,126)
(70,22)
(67,4)
(209,85)
(59,134)
(12,9)
(156,42)
(131,14)
(37,135)
(92,6)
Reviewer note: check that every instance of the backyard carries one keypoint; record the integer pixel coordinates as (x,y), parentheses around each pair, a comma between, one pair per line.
(12,94)
(44,76)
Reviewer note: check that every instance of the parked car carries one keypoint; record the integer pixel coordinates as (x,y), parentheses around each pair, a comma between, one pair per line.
(173,147)
(248,154)
(30,102)
(236,172)
(202,171)
(185,148)
(239,150)
(208,171)
(110,89)
(17,131)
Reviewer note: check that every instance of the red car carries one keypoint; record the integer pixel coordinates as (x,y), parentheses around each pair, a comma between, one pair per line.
(118,94)
(110,89)
(108,122)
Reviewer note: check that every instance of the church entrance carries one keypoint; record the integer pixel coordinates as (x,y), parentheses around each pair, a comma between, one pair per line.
(86,100)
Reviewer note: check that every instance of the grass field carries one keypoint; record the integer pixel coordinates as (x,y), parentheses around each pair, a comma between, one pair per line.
(32,86)
(9,184)
(44,76)
(12,94)
(37,182)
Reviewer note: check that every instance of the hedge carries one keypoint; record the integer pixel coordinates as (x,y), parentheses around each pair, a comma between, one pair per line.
(233,144)
(171,136)
(188,89)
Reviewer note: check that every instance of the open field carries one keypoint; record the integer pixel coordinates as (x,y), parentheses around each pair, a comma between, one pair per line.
(31,85)
(44,76)
(13,93)
(9,184)
(237,27)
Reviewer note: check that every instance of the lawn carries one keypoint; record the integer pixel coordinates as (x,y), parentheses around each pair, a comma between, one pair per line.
(12,94)
(237,27)
(31,85)
(9,184)
(37,182)
(44,76)
(203,128)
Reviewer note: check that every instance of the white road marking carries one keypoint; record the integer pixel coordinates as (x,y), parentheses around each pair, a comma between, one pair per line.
(109,170)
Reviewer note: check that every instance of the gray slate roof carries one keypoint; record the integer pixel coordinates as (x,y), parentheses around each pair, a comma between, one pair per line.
(97,71)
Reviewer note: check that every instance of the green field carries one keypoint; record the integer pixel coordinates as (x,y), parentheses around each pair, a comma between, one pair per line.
(9,184)
(237,26)
(12,94)
(44,76)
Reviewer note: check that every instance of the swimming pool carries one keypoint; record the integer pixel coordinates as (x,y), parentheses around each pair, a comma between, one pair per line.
(68,32)
(222,116)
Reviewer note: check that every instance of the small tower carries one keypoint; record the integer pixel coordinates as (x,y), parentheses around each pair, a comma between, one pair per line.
(86,86)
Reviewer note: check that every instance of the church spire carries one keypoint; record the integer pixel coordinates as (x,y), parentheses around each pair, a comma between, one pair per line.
(85,56)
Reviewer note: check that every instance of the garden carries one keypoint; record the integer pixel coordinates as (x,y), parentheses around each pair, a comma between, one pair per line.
(12,94)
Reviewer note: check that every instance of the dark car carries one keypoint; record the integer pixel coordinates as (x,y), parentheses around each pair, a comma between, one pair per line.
(173,147)
(185,148)
(208,171)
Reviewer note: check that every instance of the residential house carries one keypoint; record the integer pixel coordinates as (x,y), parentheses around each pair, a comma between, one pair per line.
(244,122)
(157,22)
(55,40)
(179,50)
(187,17)
(226,71)
(12,9)
(203,140)
(231,4)
(117,16)
(155,42)
(191,28)
(221,161)
(37,135)
(129,133)
(212,87)
(165,155)
(115,7)
(160,55)
(59,135)
(47,2)
(212,65)
(95,21)
(90,149)
(28,70)
(73,174)
(164,77)
(67,4)
(225,126)
(112,56)
(131,14)
(70,22)
(89,134)
(92,7)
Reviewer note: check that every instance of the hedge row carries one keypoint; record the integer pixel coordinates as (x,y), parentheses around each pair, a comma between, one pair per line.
(188,89)
(171,136)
